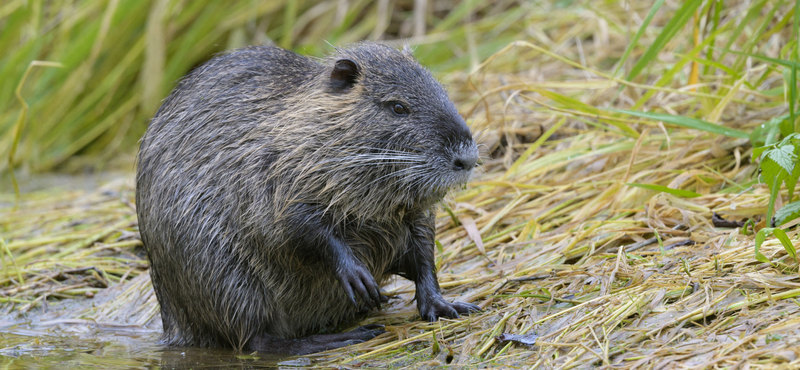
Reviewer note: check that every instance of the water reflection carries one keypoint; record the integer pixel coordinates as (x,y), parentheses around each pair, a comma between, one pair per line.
(32,349)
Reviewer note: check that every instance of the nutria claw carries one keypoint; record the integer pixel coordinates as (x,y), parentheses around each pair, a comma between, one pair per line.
(432,311)
(354,276)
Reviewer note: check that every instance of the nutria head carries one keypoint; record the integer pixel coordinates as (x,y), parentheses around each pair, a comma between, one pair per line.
(385,136)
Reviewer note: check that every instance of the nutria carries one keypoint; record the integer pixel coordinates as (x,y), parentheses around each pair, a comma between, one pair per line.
(275,193)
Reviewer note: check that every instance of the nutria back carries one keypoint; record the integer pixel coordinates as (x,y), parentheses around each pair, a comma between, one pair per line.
(275,192)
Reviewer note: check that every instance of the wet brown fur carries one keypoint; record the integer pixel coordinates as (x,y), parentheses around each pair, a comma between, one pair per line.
(258,157)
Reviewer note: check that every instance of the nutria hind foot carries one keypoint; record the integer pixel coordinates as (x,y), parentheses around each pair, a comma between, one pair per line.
(431,310)
(432,305)
(314,343)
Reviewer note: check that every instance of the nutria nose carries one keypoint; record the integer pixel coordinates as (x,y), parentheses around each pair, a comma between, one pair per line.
(466,162)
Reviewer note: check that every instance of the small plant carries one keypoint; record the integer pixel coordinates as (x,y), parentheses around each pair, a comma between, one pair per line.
(778,165)
(778,160)
(776,143)
(761,236)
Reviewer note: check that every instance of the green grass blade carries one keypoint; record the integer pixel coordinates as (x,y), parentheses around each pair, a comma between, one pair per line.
(669,76)
(675,24)
(710,63)
(783,62)
(756,36)
(784,239)
(693,123)
(749,18)
(761,236)
(524,157)
(663,189)
(638,35)
(712,37)
(793,81)
(774,192)
(788,126)
(289,15)
(571,103)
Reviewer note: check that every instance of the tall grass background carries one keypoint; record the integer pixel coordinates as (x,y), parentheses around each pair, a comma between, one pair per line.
(110,63)
(82,78)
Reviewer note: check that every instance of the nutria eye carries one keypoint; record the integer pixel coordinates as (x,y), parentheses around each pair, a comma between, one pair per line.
(399,109)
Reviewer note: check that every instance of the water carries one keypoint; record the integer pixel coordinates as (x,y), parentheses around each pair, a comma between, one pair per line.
(84,333)
(30,349)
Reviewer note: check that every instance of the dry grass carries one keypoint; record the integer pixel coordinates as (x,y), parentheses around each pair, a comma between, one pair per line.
(550,240)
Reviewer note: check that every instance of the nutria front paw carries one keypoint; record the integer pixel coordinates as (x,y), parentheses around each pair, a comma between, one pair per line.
(433,309)
(356,277)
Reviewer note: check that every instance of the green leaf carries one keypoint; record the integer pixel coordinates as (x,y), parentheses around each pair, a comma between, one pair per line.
(774,175)
(787,244)
(439,247)
(451,213)
(694,123)
(789,212)
(664,189)
(748,225)
(761,236)
(757,151)
(791,181)
(772,172)
(783,156)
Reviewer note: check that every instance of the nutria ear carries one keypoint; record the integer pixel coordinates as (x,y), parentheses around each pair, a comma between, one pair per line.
(344,74)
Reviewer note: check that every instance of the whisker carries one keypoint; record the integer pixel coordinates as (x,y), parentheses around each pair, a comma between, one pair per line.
(368,148)
(415,149)
(396,173)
